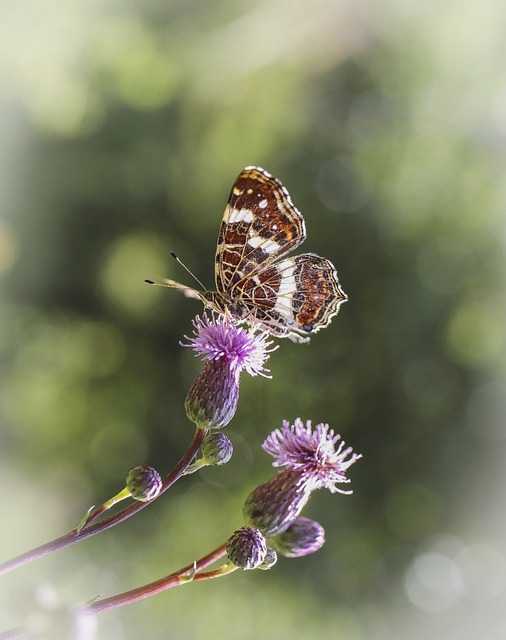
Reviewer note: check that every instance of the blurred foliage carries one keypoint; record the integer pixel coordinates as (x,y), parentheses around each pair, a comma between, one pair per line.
(124,125)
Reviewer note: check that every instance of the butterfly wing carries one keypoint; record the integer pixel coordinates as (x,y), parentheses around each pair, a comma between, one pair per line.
(293,298)
(259,225)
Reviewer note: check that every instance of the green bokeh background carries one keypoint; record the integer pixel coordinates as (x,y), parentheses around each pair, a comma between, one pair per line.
(123,126)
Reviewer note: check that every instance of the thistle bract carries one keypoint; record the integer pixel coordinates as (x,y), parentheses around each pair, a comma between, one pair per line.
(303,536)
(274,505)
(212,400)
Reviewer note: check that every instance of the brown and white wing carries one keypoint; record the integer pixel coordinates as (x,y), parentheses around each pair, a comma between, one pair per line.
(259,225)
(293,298)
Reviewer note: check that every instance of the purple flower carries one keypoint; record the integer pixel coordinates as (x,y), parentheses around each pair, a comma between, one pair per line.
(227,350)
(217,339)
(311,462)
(311,452)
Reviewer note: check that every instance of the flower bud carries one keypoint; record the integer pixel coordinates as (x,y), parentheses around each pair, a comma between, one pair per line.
(216,449)
(247,548)
(303,536)
(144,483)
(274,505)
(211,402)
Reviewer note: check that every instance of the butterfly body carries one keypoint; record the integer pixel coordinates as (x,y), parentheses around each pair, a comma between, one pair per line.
(255,282)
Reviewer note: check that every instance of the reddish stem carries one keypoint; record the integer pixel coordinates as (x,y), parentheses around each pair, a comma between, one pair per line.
(88,531)
(175,579)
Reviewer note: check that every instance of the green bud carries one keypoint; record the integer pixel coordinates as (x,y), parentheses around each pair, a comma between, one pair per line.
(144,483)
(216,449)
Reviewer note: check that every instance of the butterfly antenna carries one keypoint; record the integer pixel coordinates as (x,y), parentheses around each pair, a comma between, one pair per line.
(176,258)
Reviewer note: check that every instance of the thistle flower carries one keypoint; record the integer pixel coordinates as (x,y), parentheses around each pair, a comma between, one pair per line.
(227,350)
(311,462)
(246,548)
(303,536)
(311,452)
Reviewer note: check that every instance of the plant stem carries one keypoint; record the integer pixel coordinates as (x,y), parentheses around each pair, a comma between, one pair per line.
(88,531)
(94,513)
(184,575)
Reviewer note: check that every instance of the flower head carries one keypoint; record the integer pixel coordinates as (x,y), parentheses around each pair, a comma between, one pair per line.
(228,350)
(311,462)
(218,339)
(311,452)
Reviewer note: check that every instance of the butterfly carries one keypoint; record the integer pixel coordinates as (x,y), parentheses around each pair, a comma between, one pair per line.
(256,283)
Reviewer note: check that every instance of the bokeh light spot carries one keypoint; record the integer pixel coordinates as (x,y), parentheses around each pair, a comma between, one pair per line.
(433,582)
(129,261)
(140,71)
(72,109)
(483,570)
